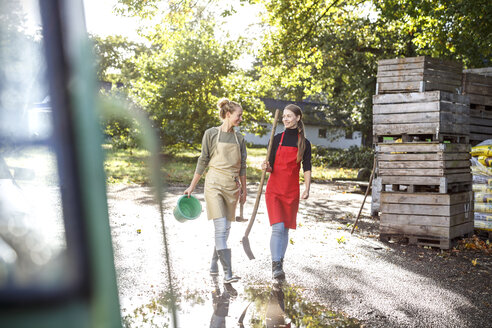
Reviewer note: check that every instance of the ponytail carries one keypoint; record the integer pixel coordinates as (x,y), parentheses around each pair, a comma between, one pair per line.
(301,141)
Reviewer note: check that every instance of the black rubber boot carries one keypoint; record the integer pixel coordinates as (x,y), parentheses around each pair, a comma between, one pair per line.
(214,266)
(225,260)
(277,270)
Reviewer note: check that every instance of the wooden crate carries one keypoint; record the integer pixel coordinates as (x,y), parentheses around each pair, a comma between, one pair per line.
(423,167)
(431,113)
(418,74)
(478,87)
(480,123)
(427,218)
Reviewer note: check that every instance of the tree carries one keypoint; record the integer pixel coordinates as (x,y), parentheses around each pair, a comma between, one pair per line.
(180,78)
(455,29)
(328,50)
(115,56)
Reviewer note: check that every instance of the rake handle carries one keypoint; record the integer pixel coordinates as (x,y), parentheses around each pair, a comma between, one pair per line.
(262,181)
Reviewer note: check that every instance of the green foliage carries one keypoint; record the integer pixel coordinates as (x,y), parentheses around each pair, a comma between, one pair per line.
(353,157)
(458,29)
(116,58)
(180,85)
(328,50)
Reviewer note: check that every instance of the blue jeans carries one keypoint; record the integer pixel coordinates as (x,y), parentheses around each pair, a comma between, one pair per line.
(279,241)
(222,229)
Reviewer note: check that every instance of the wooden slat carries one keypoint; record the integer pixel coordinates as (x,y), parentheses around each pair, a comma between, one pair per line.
(480,121)
(425,117)
(419,107)
(481,129)
(481,71)
(420,128)
(430,231)
(421,172)
(424,157)
(480,100)
(401,67)
(427,220)
(422,147)
(426,181)
(441,85)
(477,89)
(480,113)
(413,97)
(406,60)
(426,198)
(442,74)
(420,209)
(451,78)
(401,78)
(470,78)
(480,137)
(410,164)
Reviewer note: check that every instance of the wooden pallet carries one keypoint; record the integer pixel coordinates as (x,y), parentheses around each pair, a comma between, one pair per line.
(426,113)
(442,243)
(435,218)
(418,74)
(420,184)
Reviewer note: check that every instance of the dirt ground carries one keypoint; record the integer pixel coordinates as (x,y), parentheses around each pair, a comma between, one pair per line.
(379,284)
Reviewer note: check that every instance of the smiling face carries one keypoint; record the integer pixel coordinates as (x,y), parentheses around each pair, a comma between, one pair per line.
(236,117)
(290,119)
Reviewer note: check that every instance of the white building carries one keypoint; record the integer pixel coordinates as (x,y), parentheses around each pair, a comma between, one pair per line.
(318,131)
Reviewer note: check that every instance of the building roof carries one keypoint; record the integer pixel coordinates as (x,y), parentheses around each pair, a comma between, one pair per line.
(313,112)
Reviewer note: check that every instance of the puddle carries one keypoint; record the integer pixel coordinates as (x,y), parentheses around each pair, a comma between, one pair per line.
(254,307)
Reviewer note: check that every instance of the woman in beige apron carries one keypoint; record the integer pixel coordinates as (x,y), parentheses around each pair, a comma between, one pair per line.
(224,153)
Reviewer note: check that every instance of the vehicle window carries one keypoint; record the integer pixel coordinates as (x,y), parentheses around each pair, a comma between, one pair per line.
(32,234)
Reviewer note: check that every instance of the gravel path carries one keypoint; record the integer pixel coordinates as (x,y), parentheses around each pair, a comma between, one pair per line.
(380,284)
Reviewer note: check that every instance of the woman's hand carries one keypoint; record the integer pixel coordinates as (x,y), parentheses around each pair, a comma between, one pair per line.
(266,166)
(188,191)
(305,194)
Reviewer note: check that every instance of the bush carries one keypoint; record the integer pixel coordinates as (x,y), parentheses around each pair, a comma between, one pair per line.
(353,157)
(121,134)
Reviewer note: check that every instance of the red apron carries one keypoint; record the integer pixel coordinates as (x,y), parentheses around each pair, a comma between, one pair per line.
(282,191)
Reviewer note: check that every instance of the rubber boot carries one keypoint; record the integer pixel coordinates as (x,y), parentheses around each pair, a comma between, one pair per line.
(277,270)
(225,260)
(214,266)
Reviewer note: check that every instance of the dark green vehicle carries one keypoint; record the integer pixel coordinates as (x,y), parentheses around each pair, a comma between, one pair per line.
(56,261)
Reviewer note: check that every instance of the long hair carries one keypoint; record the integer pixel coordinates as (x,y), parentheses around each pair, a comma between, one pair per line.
(301,141)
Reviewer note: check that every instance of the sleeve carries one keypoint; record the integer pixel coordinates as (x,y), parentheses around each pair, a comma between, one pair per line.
(306,158)
(204,158)
(244,155)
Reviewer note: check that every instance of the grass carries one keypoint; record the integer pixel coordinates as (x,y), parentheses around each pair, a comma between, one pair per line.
(129,166)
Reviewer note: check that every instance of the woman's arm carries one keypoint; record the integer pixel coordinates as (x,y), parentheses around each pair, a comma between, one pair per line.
(307,184)
(193,184)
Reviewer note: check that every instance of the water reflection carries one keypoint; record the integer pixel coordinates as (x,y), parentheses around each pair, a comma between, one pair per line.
(264,305)
(275,312)
(220,301)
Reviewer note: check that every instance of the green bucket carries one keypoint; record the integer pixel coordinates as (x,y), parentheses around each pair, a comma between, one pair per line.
(188,208)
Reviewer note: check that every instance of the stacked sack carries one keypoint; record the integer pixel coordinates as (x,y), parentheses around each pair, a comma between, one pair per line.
(482,184)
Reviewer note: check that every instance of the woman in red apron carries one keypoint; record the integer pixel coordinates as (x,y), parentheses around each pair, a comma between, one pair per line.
(224,153)
(290,148)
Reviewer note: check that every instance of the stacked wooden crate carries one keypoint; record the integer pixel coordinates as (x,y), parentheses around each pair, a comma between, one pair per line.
(477,84)
(421,135)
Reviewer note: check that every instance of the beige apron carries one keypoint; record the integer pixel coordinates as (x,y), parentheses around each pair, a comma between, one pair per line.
(221,187)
